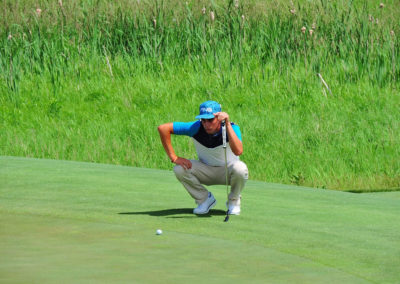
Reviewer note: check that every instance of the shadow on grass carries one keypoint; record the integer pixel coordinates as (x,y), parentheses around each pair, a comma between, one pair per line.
(372,190)
(169,213)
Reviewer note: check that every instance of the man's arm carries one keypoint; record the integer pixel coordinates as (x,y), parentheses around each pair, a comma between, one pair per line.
(234,142)
(165,131)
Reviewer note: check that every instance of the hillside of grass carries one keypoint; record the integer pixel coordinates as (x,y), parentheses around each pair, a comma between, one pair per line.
(64,221)
(314,86)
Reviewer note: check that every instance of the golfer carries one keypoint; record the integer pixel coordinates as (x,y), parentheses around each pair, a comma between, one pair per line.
(209,169)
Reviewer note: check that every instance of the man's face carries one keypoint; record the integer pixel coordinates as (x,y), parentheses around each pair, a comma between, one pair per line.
(211,126)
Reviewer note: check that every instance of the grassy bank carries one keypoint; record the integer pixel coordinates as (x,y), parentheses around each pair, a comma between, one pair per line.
(92,82)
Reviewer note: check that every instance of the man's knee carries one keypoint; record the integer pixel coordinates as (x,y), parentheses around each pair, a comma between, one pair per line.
(179,172)
(239,169)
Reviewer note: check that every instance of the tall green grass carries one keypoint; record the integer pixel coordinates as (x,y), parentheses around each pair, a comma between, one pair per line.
(91,80)
(365,37)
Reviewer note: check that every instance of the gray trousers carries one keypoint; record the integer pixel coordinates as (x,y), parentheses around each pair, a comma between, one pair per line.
(200,173)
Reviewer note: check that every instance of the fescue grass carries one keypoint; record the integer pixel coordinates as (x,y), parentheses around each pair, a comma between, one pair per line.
(82,222)
(91,80)
(292,132)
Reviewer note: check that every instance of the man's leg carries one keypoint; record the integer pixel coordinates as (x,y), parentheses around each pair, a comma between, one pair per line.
(201,173)
(194,178)
(238,174)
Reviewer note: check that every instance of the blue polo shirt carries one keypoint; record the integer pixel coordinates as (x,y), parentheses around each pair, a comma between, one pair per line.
(208,146)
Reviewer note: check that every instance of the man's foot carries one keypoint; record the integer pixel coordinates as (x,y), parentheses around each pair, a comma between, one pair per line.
(204,207)
(233,207)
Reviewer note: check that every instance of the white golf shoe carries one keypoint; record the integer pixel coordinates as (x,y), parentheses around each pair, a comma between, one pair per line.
(204,207)
(234,207)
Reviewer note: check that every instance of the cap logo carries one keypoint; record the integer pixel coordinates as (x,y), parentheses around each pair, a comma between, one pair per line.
(206,109)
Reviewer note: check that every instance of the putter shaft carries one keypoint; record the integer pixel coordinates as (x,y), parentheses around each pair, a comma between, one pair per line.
(226,169)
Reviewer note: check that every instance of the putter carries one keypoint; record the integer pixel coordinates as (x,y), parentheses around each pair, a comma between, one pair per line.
(226,169)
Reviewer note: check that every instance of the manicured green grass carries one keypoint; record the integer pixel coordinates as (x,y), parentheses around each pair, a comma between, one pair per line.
(81,222)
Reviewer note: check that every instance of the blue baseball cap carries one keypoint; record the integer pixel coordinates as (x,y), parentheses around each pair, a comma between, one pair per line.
(207,109)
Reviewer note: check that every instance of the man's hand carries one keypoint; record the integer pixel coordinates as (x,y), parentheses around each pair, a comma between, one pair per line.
(234,142)
(184,163)
(222,116)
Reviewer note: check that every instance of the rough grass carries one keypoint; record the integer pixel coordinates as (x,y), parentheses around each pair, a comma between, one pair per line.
(91,80)
(292,132)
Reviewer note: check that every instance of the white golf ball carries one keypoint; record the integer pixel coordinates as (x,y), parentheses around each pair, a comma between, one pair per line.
(159,232)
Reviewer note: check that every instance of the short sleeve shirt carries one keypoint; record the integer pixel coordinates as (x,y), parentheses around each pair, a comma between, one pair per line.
(208,146)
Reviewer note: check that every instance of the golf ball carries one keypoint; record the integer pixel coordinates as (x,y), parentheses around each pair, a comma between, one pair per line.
(159,232)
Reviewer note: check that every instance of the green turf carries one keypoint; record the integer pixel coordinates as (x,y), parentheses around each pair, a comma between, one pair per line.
(69,222)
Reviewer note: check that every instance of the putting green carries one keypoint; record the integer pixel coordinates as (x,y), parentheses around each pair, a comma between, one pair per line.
(80,222)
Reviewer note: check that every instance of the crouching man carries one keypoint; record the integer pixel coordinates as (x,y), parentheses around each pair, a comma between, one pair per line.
(209,169)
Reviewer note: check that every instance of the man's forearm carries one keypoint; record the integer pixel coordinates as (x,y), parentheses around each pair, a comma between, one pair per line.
(234,142)
(165,131)
(169,149)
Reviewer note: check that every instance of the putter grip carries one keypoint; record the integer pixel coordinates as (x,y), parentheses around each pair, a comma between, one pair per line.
(223,134)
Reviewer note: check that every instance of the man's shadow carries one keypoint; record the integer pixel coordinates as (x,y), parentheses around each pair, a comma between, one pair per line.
(171,213)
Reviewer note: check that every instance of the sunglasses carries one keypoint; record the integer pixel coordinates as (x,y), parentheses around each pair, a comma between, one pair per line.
(207,120)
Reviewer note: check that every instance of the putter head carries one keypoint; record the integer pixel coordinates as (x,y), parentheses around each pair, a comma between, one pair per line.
(226,217)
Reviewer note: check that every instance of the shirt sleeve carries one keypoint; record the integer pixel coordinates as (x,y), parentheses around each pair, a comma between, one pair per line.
(236,129)
(186,128)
